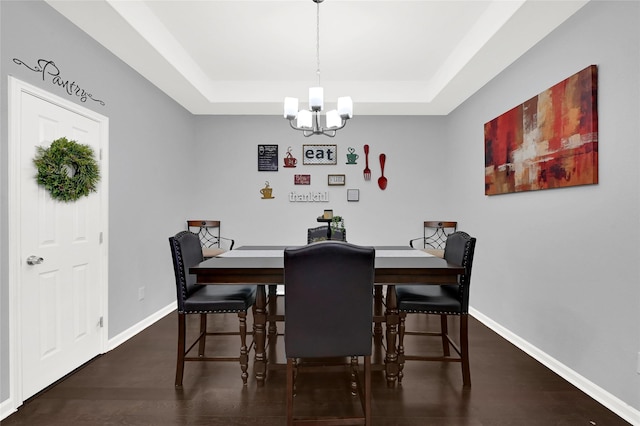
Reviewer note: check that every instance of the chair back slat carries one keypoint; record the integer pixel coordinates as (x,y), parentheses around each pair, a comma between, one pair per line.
(436,233)
(208,231)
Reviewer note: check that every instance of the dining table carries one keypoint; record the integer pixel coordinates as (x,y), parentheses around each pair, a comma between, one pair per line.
(264,266)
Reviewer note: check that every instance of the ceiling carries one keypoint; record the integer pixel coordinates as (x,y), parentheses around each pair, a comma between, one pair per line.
(398,57)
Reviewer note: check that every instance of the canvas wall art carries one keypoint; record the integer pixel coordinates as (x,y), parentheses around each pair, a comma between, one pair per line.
(549,141)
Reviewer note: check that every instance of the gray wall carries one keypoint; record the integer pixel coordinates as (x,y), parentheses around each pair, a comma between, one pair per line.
(413,146)
(559,268)
(150,163)
(540,270)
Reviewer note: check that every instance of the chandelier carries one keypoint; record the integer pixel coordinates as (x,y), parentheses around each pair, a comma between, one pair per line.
(308,121)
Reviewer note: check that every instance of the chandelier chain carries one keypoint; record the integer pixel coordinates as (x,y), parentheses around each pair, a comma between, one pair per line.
(308,121)
(318,41)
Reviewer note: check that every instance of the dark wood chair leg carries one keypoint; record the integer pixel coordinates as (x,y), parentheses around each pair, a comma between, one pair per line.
(354,375)
(244,354)
(273,309)
(401,331)
(289,392)
(203,334)
(367,390)
(181,348)
(377,311)
(444,329)
(391,359)
(464,349)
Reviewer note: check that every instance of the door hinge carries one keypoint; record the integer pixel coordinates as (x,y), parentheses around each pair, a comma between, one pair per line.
(100,237)
(101,322)
(100,153)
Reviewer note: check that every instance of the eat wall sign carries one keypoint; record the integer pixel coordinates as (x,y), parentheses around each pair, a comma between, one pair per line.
(319,154)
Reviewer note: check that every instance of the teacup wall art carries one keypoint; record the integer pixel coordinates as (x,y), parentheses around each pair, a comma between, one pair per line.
(352,157)
(267,191)
(289,160)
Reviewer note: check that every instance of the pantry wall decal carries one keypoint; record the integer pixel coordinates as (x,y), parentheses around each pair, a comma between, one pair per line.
(49,70)
(549,141)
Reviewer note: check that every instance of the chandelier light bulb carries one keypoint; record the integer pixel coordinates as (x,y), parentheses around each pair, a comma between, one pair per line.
(333,119)
(305,119)
(290,108)
(315,98)
(345,107)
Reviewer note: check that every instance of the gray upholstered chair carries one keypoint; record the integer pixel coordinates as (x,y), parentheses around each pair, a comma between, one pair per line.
(313,235)
(209,233)
(434,236)
(201,300)
(328,300)
(443,300)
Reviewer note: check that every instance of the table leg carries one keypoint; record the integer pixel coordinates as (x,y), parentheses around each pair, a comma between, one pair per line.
(259,326)
(377,311)
(392,319)
(273,309)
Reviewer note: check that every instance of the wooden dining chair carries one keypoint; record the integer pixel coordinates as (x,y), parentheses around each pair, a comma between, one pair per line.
(329,314)
(208,232)
(202,300)
(434,236)
(443,300)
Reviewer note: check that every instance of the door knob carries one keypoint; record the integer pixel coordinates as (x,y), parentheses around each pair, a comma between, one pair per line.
(34,260)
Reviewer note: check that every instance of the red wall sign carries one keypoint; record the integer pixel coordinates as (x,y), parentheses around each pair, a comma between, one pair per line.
(302,179)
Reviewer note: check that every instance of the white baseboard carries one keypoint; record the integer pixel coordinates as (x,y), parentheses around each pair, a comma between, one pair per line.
(7,407)
(605,398)
(116,341)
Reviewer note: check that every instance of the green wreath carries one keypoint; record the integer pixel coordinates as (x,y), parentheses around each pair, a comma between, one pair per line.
(67,169)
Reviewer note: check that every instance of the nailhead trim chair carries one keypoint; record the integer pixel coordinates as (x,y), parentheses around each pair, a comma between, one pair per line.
(328,302)
(313,235)
(443,300)
(196,299)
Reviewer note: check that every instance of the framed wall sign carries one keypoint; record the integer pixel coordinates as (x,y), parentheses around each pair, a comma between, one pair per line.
(335,179)
(302,179)
(353,195)
(267,158)
(319,154)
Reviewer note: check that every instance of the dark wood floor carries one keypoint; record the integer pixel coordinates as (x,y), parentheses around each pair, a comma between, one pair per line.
(133,385)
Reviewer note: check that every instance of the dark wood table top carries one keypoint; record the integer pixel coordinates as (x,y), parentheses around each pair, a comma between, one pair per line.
(262,269)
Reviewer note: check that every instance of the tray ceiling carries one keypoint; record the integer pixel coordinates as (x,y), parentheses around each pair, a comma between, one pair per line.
(392,57)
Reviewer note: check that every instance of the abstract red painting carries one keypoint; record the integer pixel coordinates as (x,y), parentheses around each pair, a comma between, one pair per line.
(550,141)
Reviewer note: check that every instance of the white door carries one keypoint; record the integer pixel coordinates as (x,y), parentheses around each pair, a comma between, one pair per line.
(60,298)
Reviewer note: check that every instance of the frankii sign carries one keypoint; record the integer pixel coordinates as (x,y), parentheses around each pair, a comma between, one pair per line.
(309,197)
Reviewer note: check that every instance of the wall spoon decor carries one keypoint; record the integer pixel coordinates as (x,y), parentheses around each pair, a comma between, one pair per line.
(382,181)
